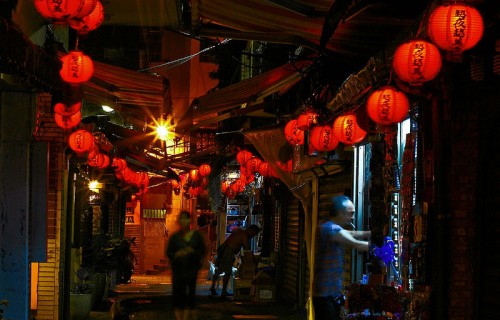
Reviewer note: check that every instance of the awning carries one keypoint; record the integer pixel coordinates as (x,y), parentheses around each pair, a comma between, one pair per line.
(258,16)
(122,88)
(250,92)
(359,29)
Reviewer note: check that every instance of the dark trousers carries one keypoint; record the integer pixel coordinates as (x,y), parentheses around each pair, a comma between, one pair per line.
(326,308)
(184,291)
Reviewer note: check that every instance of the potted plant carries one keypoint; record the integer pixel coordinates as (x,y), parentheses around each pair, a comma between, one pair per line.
(81,296)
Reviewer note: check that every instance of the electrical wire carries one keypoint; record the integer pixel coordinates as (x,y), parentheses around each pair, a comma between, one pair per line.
(172,64)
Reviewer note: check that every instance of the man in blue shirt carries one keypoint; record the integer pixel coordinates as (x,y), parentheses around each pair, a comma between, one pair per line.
(331,238)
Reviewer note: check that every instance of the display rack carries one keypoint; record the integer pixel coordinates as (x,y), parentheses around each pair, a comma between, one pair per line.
(236,215)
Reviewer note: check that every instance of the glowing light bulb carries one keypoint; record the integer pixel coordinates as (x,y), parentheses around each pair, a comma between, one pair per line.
(162,132)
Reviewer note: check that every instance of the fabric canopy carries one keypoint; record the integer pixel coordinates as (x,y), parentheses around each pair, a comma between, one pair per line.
(119,87)
(251,91)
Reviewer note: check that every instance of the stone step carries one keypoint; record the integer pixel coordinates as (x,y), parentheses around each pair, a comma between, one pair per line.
(153,272)
(160,267)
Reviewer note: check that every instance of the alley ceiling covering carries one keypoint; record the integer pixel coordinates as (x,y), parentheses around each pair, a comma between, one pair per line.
(345,34)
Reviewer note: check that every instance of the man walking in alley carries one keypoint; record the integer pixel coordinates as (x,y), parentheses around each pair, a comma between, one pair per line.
(226,255)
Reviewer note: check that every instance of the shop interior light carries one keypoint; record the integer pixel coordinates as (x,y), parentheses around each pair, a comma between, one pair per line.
(95,185)
(107,108)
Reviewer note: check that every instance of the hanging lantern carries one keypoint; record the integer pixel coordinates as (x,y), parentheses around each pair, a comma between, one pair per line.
(230,193)
(77,68)
(417,61)
(194,175)
(119,164)
(194,191)
(346,130)
(224,185)
(237,186)
(252,165)
(455,27)
(89,22)
(204,170)
(126,174)
(60,10)
(68,122)
(65,110)
(264,169)
(293,134)
(204,181)
(387,105)
(105,163)
(248,179)
(322,139)
(242,156)
(96,161)
(81,141)
(305,120)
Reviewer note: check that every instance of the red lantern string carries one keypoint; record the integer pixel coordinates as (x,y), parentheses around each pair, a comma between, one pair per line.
(322,139)
(77,68)
(417,61)
(242,156)
(68,122)
(455,27)
(387,105)
(252,165)
(293,134)
(61,10)
(305,120)
(89,22)
(204,170)
(346,129)
(81,141)
(65,110)
(194,174)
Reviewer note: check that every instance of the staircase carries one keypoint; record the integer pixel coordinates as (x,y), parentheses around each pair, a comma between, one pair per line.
(159,268)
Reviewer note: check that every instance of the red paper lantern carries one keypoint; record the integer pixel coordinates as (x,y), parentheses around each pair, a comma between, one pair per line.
(455,27)
(230,193)
(65,110)
(204,181)
(60,10)
(204,170)
(387,105)
(105,163)
(81,141)
(96,161)
(417,61)
(242,156)
(194,191)
(264,169)
(252,165)
(346,130)
(237,186)
(77,68)
(68,122)
(194,175)
(322,139)
(89,22)
(224,185)
(293,134)
(119,164)
(305,120)
(248,179)
(126,174)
